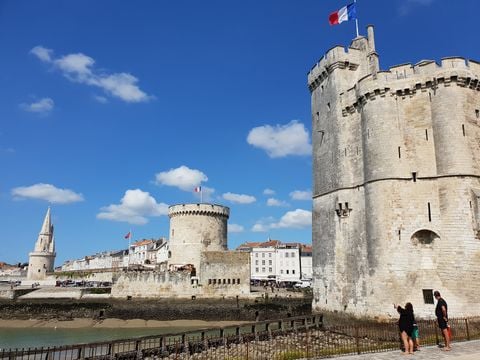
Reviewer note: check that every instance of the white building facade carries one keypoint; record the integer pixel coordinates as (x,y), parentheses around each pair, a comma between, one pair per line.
(277,261)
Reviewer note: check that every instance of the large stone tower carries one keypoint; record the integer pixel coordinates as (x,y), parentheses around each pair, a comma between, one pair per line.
(396,202)
(42,259)
(195,228)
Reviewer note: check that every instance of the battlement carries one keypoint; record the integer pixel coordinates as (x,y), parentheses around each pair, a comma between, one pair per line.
(199,209)
(408,79)
(337,57)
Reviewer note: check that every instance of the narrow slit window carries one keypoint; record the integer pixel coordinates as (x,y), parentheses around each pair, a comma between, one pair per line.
(328,106)
(399,153)
(414,176)
(463,129)
(399,234)
(477,113)
(426,134)
(429,213)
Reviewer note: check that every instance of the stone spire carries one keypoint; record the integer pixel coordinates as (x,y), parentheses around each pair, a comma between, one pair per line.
(45,241)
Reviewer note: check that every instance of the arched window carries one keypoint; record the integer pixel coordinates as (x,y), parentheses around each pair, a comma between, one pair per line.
(424,237)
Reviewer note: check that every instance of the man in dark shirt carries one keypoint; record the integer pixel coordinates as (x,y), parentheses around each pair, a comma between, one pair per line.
(441,311)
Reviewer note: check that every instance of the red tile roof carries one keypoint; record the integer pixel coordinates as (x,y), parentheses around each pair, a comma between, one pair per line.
(142,242)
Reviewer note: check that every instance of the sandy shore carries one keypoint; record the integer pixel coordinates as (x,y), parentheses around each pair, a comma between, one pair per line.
(112,323)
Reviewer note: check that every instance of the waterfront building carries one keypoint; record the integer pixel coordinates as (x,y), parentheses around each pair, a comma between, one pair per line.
(277,261)
(42,258)
(306,252)
(396,195)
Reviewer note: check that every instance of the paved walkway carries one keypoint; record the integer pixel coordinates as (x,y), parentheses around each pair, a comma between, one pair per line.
(468,350)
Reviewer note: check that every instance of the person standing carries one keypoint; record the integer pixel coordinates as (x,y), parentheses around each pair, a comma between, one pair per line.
(405,326)
(441,312)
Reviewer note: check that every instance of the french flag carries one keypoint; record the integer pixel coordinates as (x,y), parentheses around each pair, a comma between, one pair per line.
(346,13)
(198,189)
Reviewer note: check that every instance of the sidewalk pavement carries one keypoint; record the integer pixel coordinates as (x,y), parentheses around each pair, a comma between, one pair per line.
(468,350)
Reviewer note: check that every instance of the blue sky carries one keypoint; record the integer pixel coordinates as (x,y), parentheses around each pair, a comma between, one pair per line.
(112,110)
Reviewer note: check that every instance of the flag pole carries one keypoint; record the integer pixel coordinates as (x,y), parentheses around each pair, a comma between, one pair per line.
(356,17)
(201,195)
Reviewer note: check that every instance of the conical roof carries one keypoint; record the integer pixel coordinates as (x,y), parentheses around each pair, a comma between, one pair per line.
(47,224)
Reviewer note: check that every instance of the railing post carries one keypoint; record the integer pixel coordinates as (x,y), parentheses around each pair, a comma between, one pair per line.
(357,339)
(468,330)
(109,351)
(269,331)
(436,335)
(138,349)
(186,349)
(163,343)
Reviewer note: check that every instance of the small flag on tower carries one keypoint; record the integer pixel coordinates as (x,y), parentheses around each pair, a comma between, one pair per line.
(346,13)
(128,236)
(197,189)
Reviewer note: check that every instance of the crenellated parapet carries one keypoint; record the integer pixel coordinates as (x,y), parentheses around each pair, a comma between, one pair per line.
(406,80)
(212,210)
(336,58)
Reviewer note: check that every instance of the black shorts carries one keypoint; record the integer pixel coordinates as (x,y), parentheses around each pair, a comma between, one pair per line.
(442,324)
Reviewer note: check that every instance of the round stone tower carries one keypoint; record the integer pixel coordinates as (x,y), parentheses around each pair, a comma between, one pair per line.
(195,228)
(42,259)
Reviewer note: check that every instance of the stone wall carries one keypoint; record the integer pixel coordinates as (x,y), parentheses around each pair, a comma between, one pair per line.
(153,285)
(396,172)
(225,273)
(158,309)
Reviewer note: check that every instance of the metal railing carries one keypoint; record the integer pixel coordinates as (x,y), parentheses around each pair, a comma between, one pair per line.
(304,337)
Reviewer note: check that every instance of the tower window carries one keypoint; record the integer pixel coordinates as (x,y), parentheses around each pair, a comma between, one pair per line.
(426,134)
(429,213)
(328,106)
(477,113)
(414,176)
(399,153)
(463,129)
(428,296)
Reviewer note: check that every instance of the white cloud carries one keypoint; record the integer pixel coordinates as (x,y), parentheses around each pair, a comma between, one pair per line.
(182,177)
(259,227)
(80,68)
(123,86)
(239,198)
(281,140)
(47,192)
(408,5)
(276,202)
(100,99)
(42,53)
(41,106)
(268,192)
(298,218)
(134,208)
(235,228)
(78,65)
(301,195)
